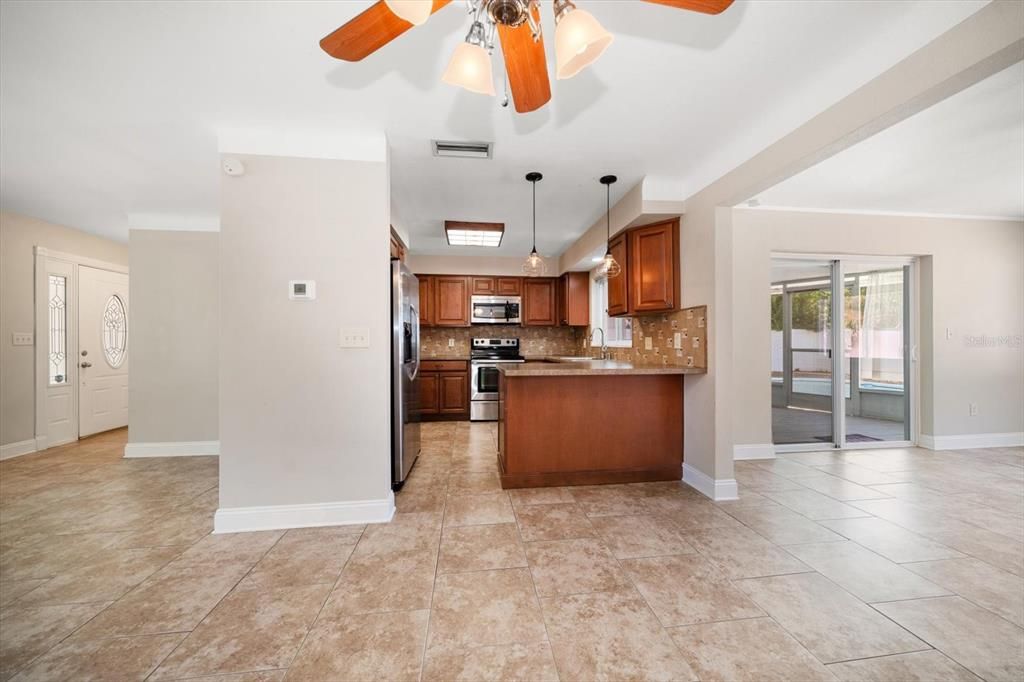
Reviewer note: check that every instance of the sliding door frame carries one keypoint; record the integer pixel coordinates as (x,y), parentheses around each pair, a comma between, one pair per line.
(911,326)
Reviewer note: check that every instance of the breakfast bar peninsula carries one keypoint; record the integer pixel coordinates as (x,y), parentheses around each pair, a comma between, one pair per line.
(572,421)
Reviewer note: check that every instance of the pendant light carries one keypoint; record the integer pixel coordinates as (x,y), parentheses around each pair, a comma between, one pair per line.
(534,265)
(609,266)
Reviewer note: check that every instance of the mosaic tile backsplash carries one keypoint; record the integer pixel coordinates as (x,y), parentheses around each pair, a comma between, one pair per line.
(690,322)
(533,341)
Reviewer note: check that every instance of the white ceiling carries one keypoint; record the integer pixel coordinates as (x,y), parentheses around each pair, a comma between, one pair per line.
(963,156)
(112,109)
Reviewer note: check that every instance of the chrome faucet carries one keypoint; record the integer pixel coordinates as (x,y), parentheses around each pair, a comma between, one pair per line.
(604,347)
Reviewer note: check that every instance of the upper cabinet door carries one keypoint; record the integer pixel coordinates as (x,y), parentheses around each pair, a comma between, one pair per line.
(426,300)
(486,286)
(452,301)
(539,305)
(574,299)
(654,268)
(618,287)
(510,286)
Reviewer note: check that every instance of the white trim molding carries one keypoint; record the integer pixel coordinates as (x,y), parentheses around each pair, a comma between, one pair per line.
(173,449)
(717,489)
(23,447)
(753,451)
(972,440)
(279,517)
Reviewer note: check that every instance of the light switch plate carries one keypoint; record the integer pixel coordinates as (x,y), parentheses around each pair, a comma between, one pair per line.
(677,340)
(21,338)
(451,343)
(648,343)
(354,337)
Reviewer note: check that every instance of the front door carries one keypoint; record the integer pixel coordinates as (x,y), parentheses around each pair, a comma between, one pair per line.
(102,350)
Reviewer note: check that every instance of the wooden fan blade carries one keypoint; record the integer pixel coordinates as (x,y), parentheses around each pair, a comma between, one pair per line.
(368,32)
(703,6)
(526,65)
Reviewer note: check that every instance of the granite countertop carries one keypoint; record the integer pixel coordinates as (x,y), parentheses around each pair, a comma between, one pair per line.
(442,356)
(558,367)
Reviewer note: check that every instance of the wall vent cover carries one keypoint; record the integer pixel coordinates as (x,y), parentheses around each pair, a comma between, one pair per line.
(465,150)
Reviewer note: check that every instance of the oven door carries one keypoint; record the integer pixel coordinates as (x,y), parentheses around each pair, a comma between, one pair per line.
(484,382)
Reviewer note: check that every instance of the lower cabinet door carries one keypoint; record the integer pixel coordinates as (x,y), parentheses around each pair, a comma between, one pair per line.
(428,393)
(453,393)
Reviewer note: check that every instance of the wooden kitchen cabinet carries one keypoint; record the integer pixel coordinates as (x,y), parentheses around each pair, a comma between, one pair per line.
(426,300)
(574,299)
(451,297)
(444,390)
(618,287)
(428,392)
(653,268)
(483,286)
(540,307)
(509,286)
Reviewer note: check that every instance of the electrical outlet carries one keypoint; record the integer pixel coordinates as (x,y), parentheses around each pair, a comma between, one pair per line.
(21,338)
(451,343)
(949,333)
(677,340)
(354,337)
(972,409)
(649,343)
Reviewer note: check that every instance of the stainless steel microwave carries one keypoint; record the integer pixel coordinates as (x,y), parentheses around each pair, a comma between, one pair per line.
(495,310)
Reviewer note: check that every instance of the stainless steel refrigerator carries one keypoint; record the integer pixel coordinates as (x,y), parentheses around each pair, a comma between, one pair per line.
(405,368)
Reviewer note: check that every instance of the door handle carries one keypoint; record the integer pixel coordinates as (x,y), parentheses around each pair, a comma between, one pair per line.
(86,365)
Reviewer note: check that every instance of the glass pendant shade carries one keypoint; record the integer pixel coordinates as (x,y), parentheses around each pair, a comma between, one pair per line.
(579,41)
(534,265)
(470,68)
(609,266)
(414,11)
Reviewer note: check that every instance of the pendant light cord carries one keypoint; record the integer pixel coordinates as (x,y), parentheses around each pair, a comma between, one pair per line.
(535,215)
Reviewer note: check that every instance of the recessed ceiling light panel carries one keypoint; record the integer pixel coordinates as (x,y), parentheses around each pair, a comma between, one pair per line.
(474,234)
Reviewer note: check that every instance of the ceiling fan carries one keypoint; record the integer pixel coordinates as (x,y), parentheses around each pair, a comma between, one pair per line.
(579,40)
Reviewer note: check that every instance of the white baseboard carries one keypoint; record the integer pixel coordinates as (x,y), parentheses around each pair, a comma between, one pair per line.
(173,449)
(716,489)
(753,451)
(972,440)
(22,447)
(279,517)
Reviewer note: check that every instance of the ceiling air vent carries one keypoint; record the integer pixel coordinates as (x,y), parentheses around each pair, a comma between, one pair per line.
(465,150)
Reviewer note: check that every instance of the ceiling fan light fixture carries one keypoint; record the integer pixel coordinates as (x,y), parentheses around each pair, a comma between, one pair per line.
(470,65)
(579,39)
(415,12)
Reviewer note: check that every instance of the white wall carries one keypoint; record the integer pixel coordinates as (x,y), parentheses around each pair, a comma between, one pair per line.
(972,283)
(304,424)
(175,301)
(18,235)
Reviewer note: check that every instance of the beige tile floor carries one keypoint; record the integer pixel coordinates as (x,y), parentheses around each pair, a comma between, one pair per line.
(861,565)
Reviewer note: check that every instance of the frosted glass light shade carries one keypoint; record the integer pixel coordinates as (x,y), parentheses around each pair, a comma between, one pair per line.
(414,11)
(579,41)
(470,68)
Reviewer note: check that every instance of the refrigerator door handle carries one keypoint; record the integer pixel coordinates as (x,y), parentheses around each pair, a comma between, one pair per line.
(416,341)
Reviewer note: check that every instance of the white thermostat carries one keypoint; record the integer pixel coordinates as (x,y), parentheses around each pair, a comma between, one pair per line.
(302,290)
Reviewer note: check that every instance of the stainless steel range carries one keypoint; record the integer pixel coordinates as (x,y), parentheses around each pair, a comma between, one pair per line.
(484,358)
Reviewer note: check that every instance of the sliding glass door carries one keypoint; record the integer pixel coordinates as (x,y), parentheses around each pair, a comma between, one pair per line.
(872,404)
(802,351)
(877,353)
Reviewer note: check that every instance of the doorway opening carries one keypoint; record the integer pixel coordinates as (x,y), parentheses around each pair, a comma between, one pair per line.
(853,387)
